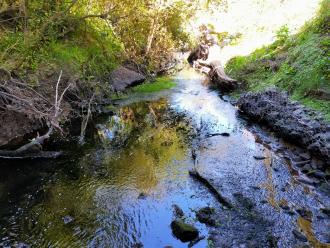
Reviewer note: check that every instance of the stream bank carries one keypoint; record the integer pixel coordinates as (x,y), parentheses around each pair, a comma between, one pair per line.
(119,190)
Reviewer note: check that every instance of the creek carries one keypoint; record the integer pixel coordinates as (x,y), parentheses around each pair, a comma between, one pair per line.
(118,190)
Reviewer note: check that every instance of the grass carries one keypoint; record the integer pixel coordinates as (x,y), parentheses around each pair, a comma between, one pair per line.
(299,64)
(162,83)
(84,52)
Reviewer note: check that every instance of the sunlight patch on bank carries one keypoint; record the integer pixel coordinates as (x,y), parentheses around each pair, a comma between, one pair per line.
(257,21)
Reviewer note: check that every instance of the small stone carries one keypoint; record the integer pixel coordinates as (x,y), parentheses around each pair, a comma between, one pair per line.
(305,213)
(299,236)
(305,181)
(183,231)
(284,207)
(290,212)
(225,134)
(142,196)
(325,211)
(305,156)
(206,215)
(318,174)
(259,157)
(301,163)
(178,212)
(255,187)
(21,245)
(138,245)
(67,219)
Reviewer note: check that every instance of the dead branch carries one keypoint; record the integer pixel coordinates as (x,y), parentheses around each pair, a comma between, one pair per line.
(11,155)
(195,174)
(85,120)
(35,145)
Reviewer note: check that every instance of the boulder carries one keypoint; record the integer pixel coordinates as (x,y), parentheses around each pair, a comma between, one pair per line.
(183,231)
(122,78)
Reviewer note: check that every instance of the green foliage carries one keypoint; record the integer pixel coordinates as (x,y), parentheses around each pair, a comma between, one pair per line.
(162,83)
(282,34)
(92,36)
(58,37)
(299,64)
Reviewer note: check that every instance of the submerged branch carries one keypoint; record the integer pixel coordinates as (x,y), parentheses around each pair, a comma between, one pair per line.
(195,174)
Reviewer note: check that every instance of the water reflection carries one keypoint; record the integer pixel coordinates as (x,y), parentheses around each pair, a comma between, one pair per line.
(119,192)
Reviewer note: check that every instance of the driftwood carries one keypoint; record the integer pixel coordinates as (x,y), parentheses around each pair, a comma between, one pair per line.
(13,155)
(217,134)
(195,174)
(218,76)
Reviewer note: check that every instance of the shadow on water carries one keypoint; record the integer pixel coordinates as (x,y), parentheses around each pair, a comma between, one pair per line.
(119,189)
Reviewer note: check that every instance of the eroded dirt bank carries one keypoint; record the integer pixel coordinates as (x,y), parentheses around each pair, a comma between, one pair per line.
(289,120)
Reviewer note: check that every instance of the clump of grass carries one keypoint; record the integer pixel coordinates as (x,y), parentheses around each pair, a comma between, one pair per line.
(299,63)
(162,83)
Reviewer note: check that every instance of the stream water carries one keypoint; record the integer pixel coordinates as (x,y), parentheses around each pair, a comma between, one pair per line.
(119,189)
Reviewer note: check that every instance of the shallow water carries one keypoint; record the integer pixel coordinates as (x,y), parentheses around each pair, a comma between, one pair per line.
(118,190)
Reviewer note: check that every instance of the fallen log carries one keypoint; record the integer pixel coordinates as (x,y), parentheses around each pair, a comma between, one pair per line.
(195,174)
(218,76)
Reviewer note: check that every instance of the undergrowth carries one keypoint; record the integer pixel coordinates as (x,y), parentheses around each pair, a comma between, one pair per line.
(84,53)
(299,64)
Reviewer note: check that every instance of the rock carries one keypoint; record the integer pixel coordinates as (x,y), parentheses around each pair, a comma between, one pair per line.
(177,211)
(195,241)
(305,213)
(67,219)
(207,216)
(138,245)
(284,205)
(289,120)
(244,201)
(225,134)
(183,231)
(318,174)
(305,156)
(306,181)
(301,163)
(122,78)
(299,236)
(142,196)
(259,157)
(22,245)
(325,211)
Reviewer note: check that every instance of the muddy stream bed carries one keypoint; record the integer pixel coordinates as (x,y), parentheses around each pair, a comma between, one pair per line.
(118,190)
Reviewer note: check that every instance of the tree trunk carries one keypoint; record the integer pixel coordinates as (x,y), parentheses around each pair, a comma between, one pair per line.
(151,34)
